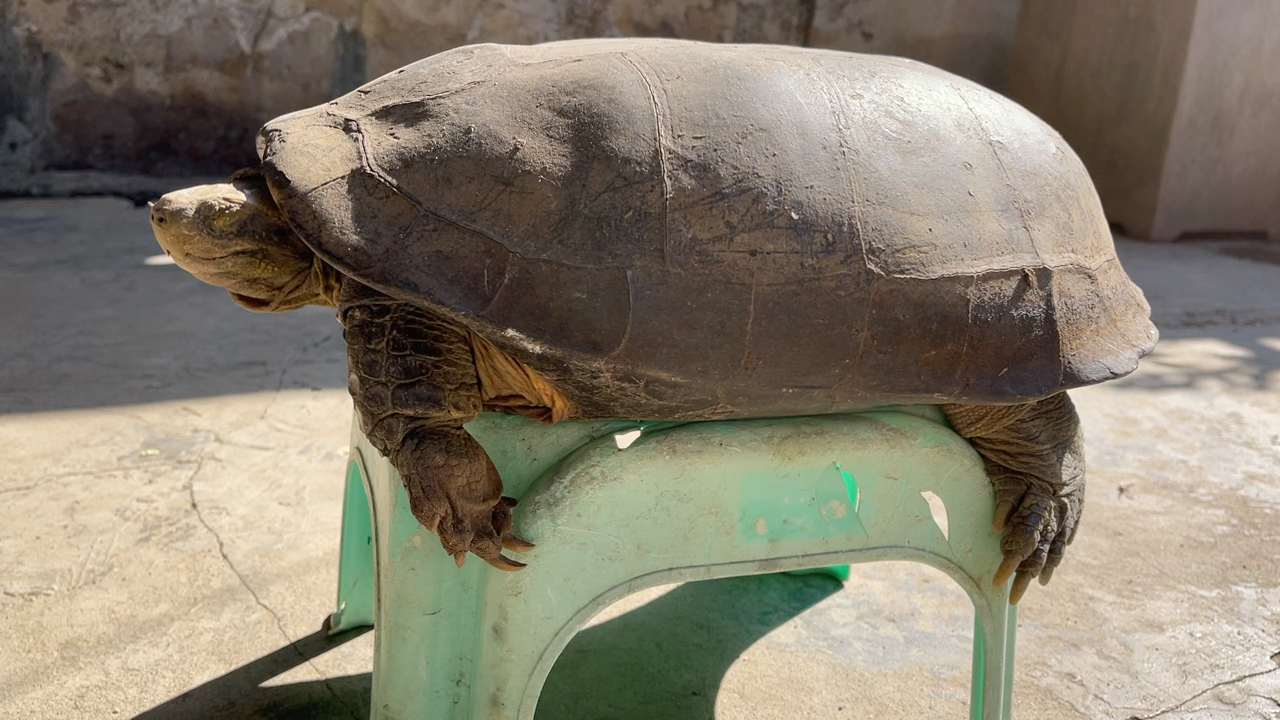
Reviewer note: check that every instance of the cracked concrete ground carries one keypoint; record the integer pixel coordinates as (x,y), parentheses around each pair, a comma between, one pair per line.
(169,523)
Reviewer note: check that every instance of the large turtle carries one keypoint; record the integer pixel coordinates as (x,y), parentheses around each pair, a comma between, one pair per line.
(663,229)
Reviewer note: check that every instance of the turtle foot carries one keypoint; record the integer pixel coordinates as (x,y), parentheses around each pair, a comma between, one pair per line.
(454,491)
(1038,521)
(1034,454)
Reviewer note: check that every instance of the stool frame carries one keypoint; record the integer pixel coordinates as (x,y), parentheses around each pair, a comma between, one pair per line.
(683,502)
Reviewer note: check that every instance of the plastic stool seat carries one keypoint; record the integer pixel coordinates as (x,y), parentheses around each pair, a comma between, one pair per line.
(692,501)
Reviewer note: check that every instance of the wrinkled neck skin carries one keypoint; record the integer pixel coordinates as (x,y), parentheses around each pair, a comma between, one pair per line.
(232,235)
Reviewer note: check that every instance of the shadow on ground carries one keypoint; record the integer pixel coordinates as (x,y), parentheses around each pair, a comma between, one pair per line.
(240,694)
(89,323)
(1217,305)
(665,659)
(668,658)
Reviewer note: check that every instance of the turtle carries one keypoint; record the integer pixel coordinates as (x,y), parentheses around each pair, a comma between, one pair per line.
(672,230)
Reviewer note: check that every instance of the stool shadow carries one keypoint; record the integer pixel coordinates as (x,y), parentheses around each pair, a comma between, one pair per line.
(665,659)
(240,694)
(668,658)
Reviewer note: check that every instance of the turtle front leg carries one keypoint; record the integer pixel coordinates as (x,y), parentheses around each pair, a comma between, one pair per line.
(413,379)
(454,491)
(1034,453)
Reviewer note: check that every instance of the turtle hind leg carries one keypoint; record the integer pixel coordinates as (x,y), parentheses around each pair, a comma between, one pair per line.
(1034,454)
(413,379)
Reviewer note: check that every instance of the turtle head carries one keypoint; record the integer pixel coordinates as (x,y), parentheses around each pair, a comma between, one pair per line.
(233,235)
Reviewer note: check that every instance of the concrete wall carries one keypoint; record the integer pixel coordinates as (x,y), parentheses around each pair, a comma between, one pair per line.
(180,87)
(1222,171)
(1173,105)
(1105,74)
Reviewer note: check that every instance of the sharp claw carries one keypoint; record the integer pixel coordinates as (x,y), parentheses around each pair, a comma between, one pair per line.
(1045,574)
(1006,569)
(511,542)
(510,501)
(459,559)
(434,524)
(503,562)
(1020,584)
(1003,511)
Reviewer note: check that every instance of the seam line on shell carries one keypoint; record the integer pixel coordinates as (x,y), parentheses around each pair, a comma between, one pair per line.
(1026,225)
(660,136)
(366,162)
(961,368)
(1017,199)
(631,307)
(751,319)
(835,101)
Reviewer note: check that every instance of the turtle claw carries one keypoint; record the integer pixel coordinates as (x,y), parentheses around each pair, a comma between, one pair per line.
(1045,575)
(1037,525)
(511,542)
(1020,584)
(1034,455)
(1004,509)
(1006,570)
(502,562)
(486,534)
(455,492)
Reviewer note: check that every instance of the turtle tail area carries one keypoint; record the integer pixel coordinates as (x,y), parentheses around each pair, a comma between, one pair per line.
(508,385)
(1034,454)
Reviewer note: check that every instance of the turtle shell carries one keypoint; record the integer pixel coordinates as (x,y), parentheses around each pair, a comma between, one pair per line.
(671,228)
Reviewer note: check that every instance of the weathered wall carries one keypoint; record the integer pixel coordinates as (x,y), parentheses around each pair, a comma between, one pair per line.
(1222,171)
(155,86)
(1105,74)
(973,38)
(168,87)
(1173,105)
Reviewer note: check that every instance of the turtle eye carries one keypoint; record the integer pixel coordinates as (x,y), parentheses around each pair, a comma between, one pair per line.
(226,216)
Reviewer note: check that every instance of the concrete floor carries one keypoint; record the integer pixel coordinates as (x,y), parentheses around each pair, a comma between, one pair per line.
(169,523)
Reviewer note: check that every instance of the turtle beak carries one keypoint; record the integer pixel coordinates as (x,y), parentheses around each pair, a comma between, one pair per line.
(157,214)
(167,225)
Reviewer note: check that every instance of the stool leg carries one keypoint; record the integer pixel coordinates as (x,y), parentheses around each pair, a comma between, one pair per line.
(355,604)
(977,678)
(440,629)
(431,631)
(1010,638)
(991,688)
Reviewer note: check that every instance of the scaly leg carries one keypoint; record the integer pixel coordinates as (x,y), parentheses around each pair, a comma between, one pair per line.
(413,379)
(1034,453)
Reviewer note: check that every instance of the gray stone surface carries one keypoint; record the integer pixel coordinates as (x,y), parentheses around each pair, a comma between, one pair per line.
(171,502)
(173,88)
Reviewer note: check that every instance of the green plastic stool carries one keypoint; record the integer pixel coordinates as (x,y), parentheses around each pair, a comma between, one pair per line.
(691,501)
